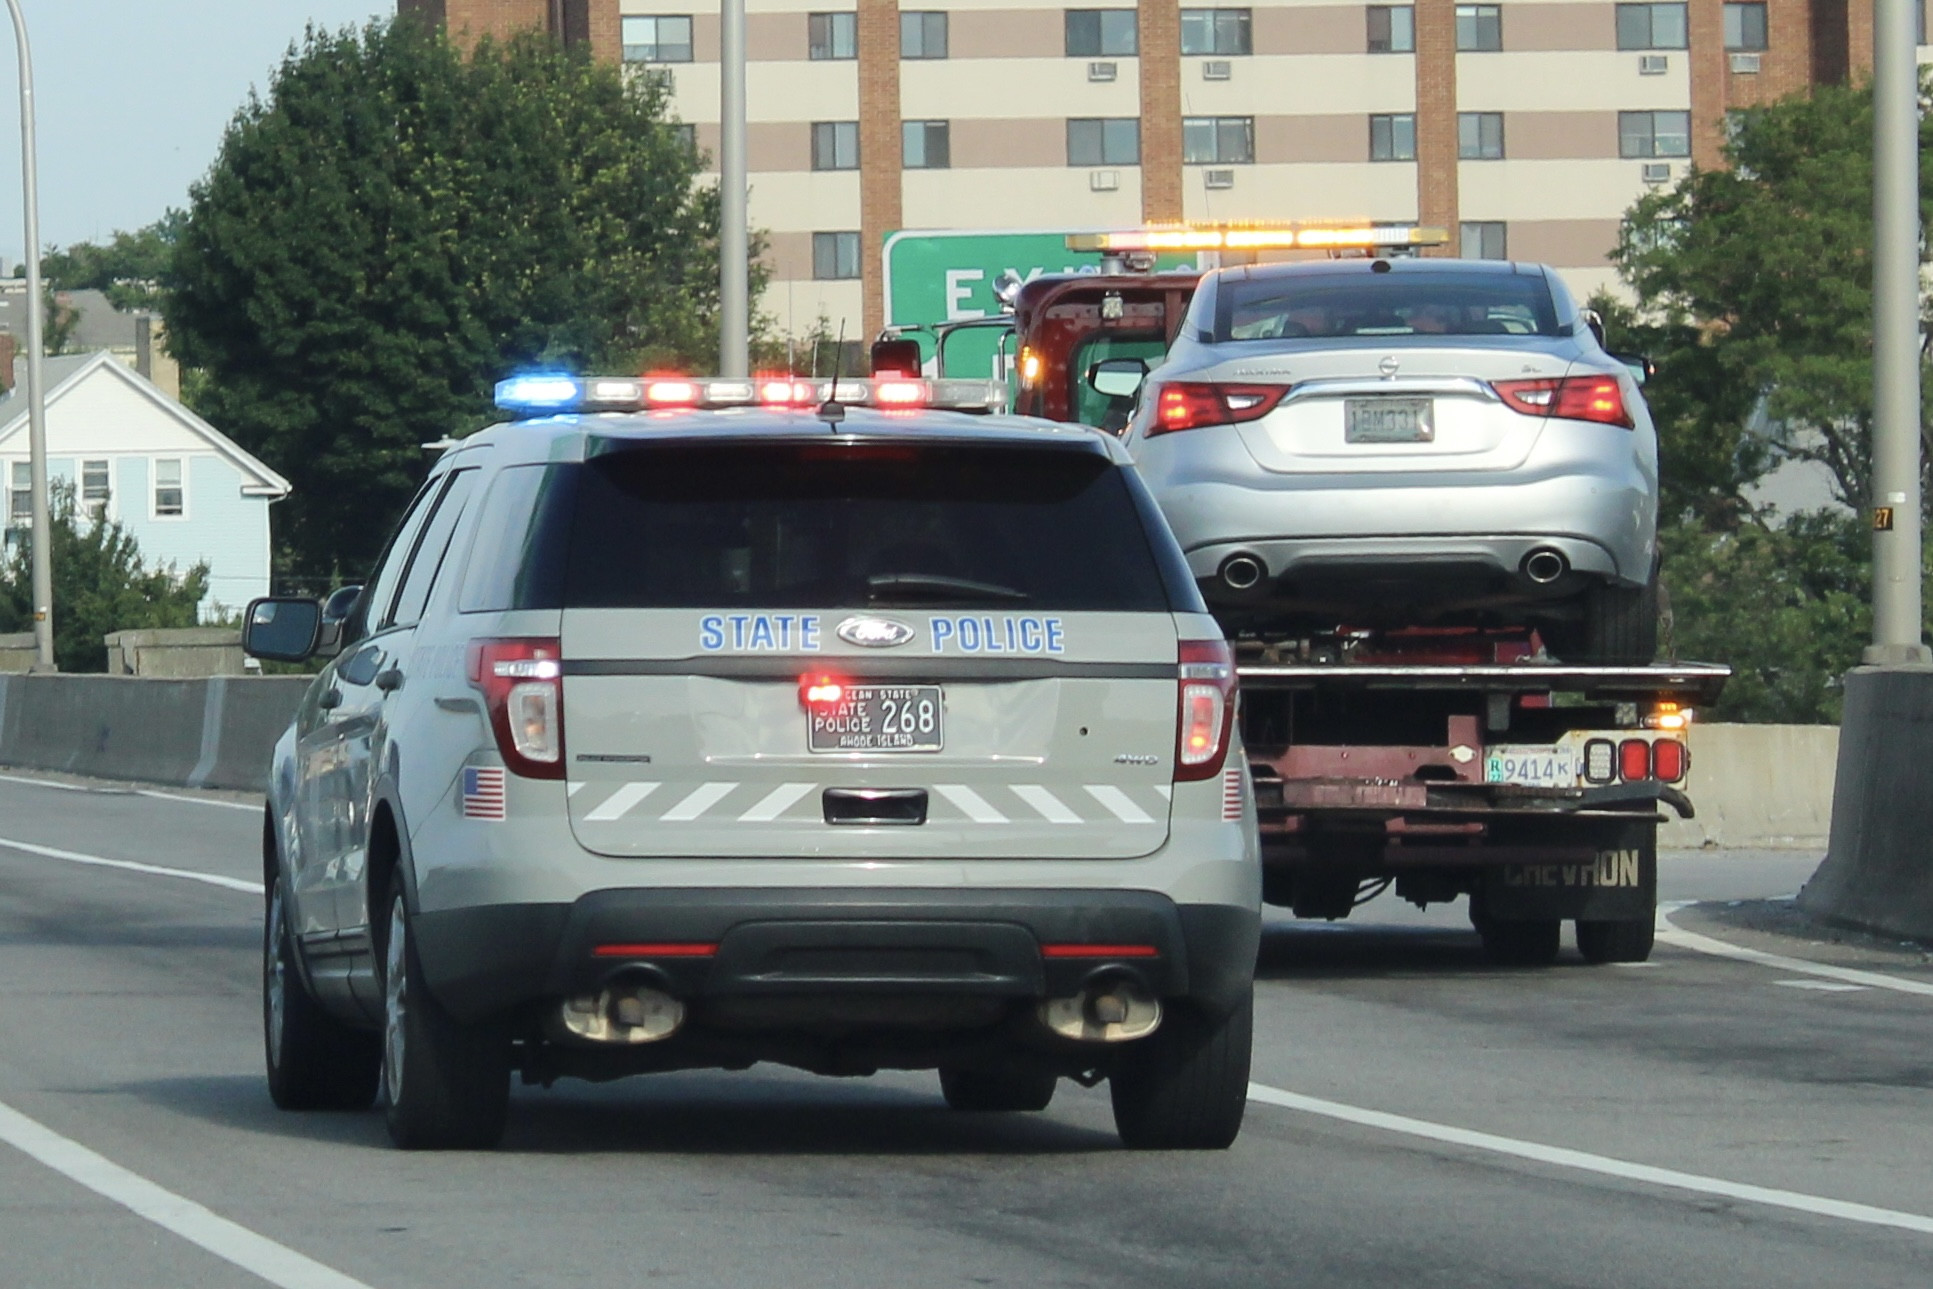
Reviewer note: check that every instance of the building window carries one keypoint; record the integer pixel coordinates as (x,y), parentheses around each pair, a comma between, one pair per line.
(1393,137)
(831,35)
(170,494)
(1483,240)
(1216,33)
(1745,27)
(835,256)
(1654,134)
(657,39)
(1111,141)
(94,488)
(1479,27)
(1218,140)
(1101,33)
(926,145)
(1651,26)
(1392,29)
(1479,136)
(835,145)
(20,495)
(922,35)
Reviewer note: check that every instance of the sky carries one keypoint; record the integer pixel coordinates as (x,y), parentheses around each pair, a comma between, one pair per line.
(132,97)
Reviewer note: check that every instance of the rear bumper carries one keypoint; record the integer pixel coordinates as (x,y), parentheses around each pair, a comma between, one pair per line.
(814,942)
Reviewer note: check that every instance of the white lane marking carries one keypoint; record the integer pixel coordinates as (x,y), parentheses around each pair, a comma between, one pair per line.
(156,793)
(703,799)
(43,783)
(1673,935)
(1051,807)
(775,803)
(1583,1161)
(619,803)
(230,1241)
(131,866)
(1119,802)
(970,803)
(1823,986)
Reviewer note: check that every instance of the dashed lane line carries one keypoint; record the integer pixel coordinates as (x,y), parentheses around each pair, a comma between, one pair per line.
(230,1241)
(1602,1165)
(132,866)
(1668,933)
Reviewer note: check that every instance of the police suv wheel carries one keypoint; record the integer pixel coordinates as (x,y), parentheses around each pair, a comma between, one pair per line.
(1002,1090)
(447,1085)
(314,1061)
(1185,1087)
(1628,941)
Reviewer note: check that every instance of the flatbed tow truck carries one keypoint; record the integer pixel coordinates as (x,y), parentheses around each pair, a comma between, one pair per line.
(1435,763)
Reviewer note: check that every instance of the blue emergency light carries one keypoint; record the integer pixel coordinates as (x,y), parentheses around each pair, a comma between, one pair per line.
(539,392)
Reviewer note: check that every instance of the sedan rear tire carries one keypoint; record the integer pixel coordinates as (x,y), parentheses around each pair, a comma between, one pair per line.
(1619,628)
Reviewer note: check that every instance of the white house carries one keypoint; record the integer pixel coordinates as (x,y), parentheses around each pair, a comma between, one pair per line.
(181,488)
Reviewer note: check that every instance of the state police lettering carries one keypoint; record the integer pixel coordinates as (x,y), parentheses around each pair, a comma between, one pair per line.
(799,633)
(988,634)
(760,632)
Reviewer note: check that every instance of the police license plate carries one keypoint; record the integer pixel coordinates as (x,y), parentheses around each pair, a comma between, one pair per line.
(1531,766)
(880,718)
(1388,420)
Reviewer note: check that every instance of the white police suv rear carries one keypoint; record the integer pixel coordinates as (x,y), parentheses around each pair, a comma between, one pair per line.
(700,723)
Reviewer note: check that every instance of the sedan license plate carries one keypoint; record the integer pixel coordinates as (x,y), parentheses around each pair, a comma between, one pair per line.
(1388,420)
(880,718)
(1531,766)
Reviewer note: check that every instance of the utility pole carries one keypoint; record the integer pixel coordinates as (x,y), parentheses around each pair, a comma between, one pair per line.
(43,567)
(1897,612)
(734,268)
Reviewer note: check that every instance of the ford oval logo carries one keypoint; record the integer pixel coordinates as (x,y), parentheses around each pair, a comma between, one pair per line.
(874,633)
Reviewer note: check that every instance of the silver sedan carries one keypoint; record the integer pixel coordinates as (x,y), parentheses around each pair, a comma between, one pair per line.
(1405,442)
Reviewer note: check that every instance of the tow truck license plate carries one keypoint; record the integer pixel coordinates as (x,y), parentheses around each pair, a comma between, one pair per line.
(1531,766)
(1388,420)
(880,718)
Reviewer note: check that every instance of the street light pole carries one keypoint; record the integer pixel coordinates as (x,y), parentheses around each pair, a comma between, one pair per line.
(43,568)
(734,269)
(1897,611)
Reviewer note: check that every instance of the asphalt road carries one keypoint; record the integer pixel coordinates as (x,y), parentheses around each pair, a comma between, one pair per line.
(1422,1119)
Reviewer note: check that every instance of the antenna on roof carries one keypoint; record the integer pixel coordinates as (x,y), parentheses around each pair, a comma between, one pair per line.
(832,412)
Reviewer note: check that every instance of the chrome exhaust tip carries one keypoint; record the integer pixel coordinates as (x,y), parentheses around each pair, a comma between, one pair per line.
(1111,1010)
(1545,566)
(1243,572)
(623,1012)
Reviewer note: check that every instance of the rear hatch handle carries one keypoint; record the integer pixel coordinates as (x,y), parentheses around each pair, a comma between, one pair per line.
(874,805)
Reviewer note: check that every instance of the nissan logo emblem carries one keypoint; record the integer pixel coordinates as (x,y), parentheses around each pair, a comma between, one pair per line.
(1388,365)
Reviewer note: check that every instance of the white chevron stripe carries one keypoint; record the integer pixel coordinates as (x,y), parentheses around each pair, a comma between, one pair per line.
(572,789)
(970,803)
(1118,801)
(775,803)
(1051,807)
(698,802)
(1167,791)
(619,803)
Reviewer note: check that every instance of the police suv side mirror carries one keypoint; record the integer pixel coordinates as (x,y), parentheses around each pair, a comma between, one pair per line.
(338,612)
(281,628)
(1117,377)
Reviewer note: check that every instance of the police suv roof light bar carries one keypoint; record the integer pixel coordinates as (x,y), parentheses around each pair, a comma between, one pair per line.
(549,394)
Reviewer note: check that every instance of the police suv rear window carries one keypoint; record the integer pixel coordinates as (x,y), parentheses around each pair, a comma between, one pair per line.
(799,525)
(1397,304)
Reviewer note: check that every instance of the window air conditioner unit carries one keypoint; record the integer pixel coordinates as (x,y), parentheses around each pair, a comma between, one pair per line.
(1100,71)
(1217,69)
(1103,180)
(1653,64)
(1218,178)
(1657,172)
(1745,64)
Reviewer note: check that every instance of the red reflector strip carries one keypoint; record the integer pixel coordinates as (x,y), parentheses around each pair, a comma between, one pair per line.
(1099,951)
(1232,794)
(648,950)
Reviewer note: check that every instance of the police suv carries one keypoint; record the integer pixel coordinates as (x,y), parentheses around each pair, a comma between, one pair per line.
(694,723)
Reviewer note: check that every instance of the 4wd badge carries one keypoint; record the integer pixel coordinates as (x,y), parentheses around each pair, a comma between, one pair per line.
(873,633)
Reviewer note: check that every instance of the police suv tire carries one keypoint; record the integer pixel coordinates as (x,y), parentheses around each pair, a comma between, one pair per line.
(1627,941)
(314,1061)
(995,1091)
(1531,943)
(1185,1086)
(446,1085)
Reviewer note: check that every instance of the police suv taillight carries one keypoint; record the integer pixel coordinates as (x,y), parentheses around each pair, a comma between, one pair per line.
(1207,708)
(523,693)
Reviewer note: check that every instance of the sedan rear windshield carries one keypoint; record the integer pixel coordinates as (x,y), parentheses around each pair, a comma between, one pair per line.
(1332,305)
(839,525)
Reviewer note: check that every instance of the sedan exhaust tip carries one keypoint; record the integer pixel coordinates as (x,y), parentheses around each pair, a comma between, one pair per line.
(1243,572)
(1544,566)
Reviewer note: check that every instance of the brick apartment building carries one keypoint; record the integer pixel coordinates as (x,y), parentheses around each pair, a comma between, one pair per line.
(1526,127)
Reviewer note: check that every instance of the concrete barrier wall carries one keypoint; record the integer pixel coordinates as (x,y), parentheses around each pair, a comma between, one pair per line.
(213,733)
(1761,786)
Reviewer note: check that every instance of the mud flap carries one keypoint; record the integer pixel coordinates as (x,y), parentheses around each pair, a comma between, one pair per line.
(1619,885)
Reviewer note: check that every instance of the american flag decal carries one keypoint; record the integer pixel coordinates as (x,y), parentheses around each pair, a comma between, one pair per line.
(483,792)
(1232,793)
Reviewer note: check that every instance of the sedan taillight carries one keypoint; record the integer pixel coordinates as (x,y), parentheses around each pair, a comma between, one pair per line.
(1189,404)
(1207,709)
(1572,398)
(523,692)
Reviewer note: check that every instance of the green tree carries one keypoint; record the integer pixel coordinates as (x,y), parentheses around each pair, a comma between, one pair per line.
(131,268)
(395,227)
(101,585)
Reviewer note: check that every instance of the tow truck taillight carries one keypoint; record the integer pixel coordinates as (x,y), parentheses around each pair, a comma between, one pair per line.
(1207,708)
(523,693)
(1572,398)
(1189,405)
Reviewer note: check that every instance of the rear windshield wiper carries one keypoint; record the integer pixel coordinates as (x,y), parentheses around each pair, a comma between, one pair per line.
(933,586)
